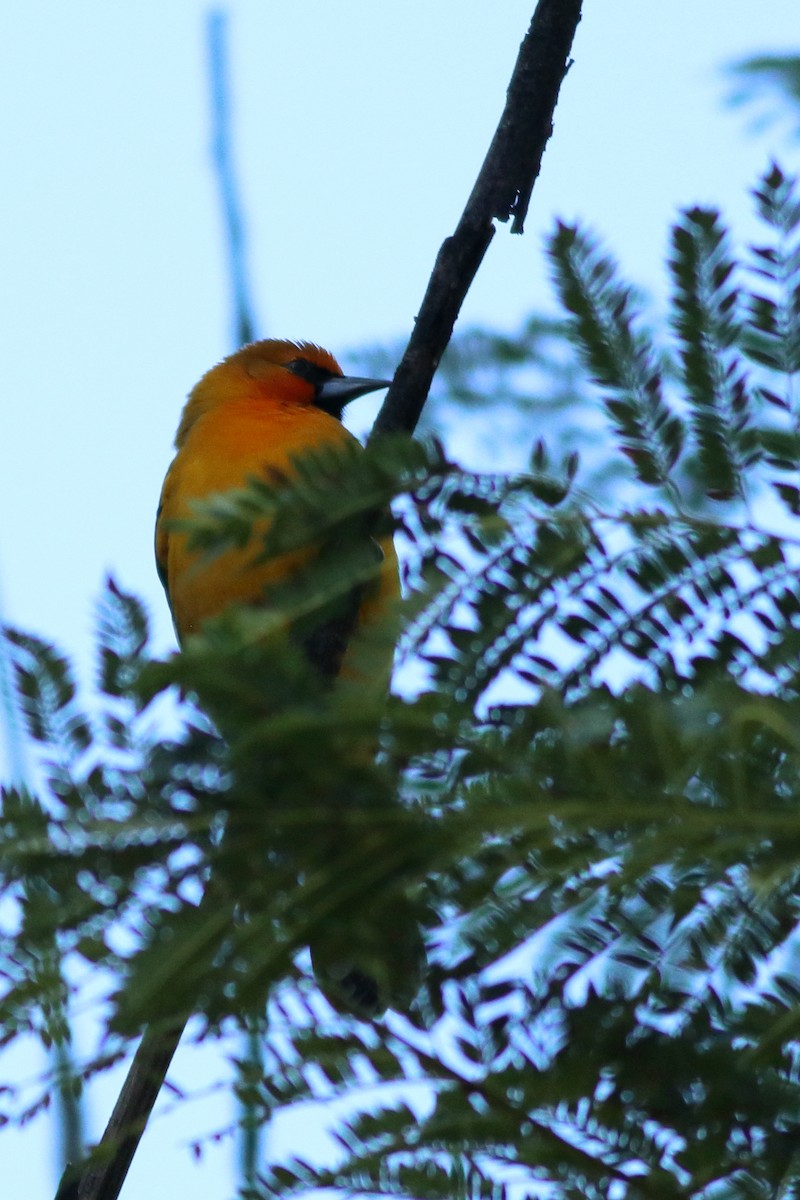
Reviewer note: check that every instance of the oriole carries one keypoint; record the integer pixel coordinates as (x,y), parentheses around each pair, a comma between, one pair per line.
(250,415)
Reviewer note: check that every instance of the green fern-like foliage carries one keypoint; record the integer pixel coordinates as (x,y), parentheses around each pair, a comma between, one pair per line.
(582,792)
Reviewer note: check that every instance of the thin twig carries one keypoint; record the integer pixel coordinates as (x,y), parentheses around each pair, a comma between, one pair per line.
(222,156)
(250,1125)
(502,191)
(244,331)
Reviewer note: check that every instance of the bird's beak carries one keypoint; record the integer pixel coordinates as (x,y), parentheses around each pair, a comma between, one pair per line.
(341,389)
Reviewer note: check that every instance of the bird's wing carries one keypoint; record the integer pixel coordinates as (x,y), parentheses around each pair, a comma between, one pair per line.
(162,534)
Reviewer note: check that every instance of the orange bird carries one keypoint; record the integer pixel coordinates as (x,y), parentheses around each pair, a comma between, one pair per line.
(250,416)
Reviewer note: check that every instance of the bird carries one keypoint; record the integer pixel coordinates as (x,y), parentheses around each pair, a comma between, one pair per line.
(250,416)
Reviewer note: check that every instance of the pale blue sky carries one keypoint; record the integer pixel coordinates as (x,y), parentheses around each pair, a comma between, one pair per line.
(359,129)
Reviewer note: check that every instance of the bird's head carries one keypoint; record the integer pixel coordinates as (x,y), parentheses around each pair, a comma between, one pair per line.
(284,372)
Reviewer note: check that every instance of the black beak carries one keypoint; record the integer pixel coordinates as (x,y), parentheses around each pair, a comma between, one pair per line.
(334,393)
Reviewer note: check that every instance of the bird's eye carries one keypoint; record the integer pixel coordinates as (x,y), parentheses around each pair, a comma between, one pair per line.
(305,369)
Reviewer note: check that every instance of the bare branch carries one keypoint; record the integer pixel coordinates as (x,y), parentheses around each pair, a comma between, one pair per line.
(102,1178)
(502,190)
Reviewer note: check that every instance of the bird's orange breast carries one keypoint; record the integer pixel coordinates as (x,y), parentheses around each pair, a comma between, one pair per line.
(249,435)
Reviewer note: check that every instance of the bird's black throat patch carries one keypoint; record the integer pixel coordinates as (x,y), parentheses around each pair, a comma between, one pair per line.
(317,376)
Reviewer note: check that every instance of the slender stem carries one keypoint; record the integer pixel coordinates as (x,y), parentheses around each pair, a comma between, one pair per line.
(222,156)
(249,1110)
(244,330)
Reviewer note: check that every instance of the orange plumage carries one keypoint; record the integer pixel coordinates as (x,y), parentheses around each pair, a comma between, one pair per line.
(249,416)
(252,415)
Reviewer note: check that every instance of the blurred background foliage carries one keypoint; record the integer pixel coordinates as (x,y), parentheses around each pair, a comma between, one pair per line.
(768,87)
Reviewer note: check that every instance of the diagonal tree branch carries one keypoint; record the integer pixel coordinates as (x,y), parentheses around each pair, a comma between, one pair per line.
(502,191)
(102,1178)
